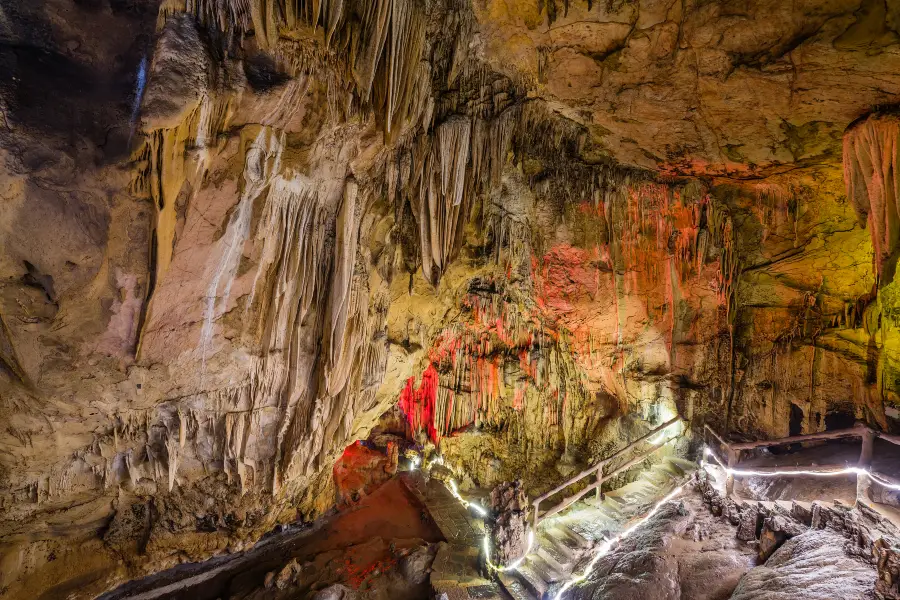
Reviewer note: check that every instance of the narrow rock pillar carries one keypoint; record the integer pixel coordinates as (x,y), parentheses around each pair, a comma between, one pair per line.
(863,481)
(733,457)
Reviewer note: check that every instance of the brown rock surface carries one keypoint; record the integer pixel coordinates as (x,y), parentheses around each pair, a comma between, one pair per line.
(682,552)
(813,566)
(541,228)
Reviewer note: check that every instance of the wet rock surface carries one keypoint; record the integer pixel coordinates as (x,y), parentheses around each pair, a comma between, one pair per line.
(381,548)
(509,538)
(857,543)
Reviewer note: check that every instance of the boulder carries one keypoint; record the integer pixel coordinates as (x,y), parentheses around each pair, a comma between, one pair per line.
(809,566)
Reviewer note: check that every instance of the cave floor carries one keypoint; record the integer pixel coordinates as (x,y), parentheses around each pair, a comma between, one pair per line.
(456,569)
(355,547)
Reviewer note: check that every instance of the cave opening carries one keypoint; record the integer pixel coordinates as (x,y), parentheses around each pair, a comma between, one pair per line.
(797,418)
(839,419)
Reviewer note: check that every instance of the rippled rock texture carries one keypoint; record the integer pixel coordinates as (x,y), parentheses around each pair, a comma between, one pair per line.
(811,565)
(682,552)
(236,233)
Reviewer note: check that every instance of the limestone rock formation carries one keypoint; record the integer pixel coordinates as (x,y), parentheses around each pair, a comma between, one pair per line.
(812,566)
(509,506)
(236,233)
(682,552)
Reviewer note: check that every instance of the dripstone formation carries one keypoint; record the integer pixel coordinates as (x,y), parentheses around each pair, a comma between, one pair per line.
(235,233)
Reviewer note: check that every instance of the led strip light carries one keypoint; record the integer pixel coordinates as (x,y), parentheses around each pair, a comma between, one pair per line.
(608,545)
(847,471)
(605,547)
(451,486)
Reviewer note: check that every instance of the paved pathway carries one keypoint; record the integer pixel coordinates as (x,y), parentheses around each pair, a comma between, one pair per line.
(455,573)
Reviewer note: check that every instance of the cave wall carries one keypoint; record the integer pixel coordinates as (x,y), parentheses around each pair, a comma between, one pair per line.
(237,233)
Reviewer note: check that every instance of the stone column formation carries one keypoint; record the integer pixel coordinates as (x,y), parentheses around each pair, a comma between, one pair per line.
(509,507)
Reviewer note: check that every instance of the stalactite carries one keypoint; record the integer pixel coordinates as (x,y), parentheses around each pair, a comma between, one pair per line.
(382,40)
(494,367)
(316,325)
(290,283)
(172,451)
(418,404)
(263,162)
(722,231)
(403,78)
(872,177)
(771,206)
(347,307)
(439,200)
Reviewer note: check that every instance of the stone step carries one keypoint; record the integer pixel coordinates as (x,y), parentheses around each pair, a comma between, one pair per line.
(681,465)
(640,486)
(561,543)
(784,505)
(673,469)
(560,547)
(556,553)
(641,489)
(602,519)
(616,498)
(570,535)
(609,513)
(532,579)
(544,569)
(636,499)
(657,477)
(516,586)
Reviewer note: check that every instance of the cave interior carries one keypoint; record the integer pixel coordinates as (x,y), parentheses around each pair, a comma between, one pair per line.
(450,299)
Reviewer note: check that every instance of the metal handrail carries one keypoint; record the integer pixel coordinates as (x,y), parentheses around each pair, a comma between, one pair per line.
(857,430)
(598,470)
(716,435)
(866,433)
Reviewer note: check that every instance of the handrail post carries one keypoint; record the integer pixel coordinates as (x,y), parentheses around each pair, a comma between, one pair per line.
(597,493)
(863,481)
(868,448)
(733,457)
(536,512)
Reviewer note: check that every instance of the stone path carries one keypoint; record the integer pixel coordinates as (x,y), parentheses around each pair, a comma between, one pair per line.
(455,573)
(565,542)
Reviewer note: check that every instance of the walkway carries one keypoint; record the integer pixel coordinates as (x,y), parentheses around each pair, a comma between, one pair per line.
(566,542)
(455,573)
(825,490)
